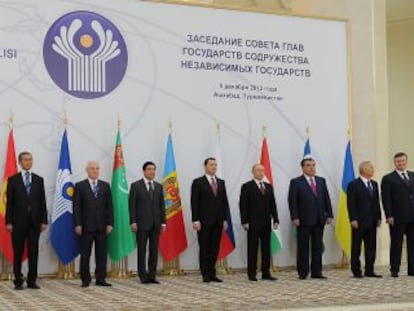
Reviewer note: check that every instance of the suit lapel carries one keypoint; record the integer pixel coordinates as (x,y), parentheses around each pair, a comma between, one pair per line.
(207,184)
(307,185)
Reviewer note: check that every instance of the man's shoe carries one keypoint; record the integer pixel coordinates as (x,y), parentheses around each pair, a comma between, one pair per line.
(33,286)
(154,281)
(216,279)
(358,275)
(145,281)
(394,274)
(85,284)
(320,276)
(302,277)
(373,275)
(206,279)
(18,287)
(268,278)
(253,278)
(103,283)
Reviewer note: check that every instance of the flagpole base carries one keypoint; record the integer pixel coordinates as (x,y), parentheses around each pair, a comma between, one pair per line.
(6,270)
(119,269)
(66,272)
(172,268)
(222,267)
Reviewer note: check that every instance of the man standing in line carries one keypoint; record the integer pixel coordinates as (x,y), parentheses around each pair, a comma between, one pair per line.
(147,217)
(93,217)
(26,218)
(310,210)
(397,191)
(209,206)
(258,213)
(365,216)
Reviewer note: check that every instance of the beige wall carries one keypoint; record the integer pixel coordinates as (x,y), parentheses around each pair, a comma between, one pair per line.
(368,61)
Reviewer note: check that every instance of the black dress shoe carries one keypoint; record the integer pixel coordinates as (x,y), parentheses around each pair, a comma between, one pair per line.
(268,277)
(216,279)
(358,275)
(206,279)
(320,276)
(302,277)
(154,281)
(103,283)
(394,274)
(372,275)
(18,287)
(145,281)
(253,278)
(85,284)
(33,286)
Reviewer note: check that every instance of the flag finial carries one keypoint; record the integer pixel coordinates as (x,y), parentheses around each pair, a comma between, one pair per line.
(307,131)
(348,133)
(170,126)
(119,121)
(11,119)
(264,130)
(65,119)
(218,127)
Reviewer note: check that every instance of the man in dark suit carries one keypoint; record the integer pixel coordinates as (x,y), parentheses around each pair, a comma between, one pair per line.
(147,217)
(365,216)
(93,217)
(397,190)
(310,209)
(257,210)
(209,206)
(26,218)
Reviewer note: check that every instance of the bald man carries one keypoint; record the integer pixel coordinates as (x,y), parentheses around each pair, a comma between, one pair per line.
(258,213)
(365,216)
(93,214)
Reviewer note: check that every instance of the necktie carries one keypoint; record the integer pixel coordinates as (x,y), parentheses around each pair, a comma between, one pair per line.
(370,188)
(313,186)
(150,190)
(405,179)
(262,187)
(213,185)
(95,188)
(27,183)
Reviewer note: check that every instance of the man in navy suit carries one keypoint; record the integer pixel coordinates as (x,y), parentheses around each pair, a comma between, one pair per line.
(209,207)
(310,209)
(397,191)
(365,216)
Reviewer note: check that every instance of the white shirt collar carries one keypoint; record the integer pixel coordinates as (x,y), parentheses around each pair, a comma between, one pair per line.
(402,172)
(23,172)
(147,181)
(308,178)
(365,180)
(258,181)
(91,181)
(210,177)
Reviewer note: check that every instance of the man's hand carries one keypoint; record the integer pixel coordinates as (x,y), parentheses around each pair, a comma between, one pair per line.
(43,227)
(296,222)
(109,229)
(390,221)
(78,230)
(275,225)
(163,227)
(246,227)
(329,220)
(197,226)
(134,227)
(354,224)
(225,225)
(9,227)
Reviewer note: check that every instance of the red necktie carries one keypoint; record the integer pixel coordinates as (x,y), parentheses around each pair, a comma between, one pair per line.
(213,185)
(313,186)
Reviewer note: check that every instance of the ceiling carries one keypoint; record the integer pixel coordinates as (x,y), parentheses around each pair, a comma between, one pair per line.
(399,10)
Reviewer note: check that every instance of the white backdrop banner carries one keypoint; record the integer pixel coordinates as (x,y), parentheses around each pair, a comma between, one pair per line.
(153,62)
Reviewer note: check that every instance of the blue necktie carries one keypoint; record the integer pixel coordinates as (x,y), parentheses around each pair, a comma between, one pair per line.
(370,188)
(27,183)
(95,188)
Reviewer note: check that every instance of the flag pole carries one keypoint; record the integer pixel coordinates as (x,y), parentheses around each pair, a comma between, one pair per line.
(222,265)
(171,267)
(119,269)
(6,267)
(66,272)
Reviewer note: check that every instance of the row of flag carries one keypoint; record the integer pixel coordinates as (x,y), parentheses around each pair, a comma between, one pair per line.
(173,241)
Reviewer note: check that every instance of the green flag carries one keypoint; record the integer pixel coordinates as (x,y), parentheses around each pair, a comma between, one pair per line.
(121,241)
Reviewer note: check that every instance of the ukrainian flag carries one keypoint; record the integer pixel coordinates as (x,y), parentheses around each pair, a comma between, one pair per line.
(343,226)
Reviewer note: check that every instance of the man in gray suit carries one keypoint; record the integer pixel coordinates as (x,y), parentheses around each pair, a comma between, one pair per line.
(147,217)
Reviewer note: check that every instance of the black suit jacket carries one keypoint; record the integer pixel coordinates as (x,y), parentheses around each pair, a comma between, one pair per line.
(397,197)
(93,214)
(22,207)
(256,208)
(304,205)
(205,206)
(147,213)
(362,206)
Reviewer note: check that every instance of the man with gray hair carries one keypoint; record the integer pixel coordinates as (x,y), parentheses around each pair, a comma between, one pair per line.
(365,216)
(93,217)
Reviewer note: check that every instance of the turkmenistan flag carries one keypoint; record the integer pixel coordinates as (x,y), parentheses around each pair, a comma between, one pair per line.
(275,238)
(121,241)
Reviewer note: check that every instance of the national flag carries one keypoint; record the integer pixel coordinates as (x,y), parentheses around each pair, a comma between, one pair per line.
(121,241)
(275,238)
(173,240)
(307,149)
(62,234)
(227,242)
(10,169)
(343,227)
